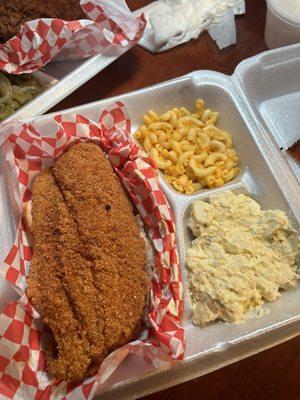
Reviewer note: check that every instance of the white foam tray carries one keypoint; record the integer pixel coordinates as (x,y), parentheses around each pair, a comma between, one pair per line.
(270,86)
(265,175)
(64,77)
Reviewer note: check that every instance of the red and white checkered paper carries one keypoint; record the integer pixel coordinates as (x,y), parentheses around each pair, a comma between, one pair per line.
(28,151)
(42,40)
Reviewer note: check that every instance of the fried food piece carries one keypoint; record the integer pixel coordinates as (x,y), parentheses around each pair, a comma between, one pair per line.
(294,150)
(87,274)
(14,13)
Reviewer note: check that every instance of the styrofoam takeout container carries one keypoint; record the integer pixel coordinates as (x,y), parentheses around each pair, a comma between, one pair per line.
(246,101)
(282,23)
(63,78)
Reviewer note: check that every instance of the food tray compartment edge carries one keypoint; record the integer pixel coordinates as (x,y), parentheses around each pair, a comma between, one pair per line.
(65,77)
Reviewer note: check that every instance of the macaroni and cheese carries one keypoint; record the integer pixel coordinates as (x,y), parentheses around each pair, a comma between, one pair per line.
(189,148)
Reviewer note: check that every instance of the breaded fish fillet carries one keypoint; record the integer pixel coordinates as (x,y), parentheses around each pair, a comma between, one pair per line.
(87,274)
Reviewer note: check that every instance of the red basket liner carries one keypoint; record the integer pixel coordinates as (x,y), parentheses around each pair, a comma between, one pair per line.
(42,40)
(22,333)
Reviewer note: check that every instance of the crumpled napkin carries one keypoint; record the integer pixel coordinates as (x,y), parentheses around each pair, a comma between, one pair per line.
(172,22)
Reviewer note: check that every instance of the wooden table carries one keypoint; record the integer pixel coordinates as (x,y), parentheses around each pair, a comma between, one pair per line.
(275,373)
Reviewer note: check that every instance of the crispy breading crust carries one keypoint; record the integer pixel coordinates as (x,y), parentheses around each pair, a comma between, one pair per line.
(294,150)
(87,274)
(14,13)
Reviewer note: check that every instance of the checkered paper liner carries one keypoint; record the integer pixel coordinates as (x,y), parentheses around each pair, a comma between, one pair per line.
(42,40)
(22,332)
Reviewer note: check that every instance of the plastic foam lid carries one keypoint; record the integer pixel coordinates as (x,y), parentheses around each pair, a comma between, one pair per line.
(287,9)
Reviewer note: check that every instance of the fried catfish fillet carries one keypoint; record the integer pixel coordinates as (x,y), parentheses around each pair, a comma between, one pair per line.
(87,274)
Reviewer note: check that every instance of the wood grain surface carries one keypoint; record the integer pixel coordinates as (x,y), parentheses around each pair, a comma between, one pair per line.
(275,373)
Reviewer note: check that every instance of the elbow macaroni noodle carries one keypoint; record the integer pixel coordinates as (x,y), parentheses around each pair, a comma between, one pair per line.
(189,148)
